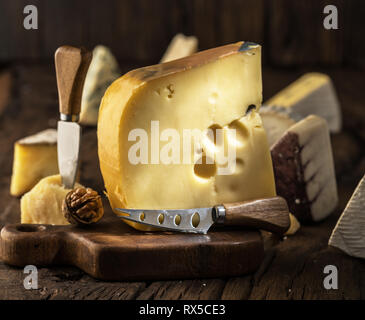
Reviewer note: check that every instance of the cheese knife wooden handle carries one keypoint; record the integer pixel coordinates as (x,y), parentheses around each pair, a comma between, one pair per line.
(270,214)
(71,67)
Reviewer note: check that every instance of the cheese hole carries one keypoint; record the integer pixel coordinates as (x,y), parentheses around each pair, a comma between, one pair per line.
(170,90)
(239,166)
(142,216)
(214,135)
(177,219)
(241,130)
(195,219)
(205,168)
(161,218)
(250,108)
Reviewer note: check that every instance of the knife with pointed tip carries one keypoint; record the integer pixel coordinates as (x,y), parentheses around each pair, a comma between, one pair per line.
(71,67)
(269,214)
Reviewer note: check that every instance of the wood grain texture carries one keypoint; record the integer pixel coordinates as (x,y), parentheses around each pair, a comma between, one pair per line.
(270,214)
(138,31)
(113,251)
(291,270)
(71,67)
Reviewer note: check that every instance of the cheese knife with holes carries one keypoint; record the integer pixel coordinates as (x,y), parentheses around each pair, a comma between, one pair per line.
(269,214)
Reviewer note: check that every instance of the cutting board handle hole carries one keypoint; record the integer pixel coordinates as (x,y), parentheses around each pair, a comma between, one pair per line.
(28,228)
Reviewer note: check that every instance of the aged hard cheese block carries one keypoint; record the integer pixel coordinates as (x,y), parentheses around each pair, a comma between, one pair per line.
(210,89)
(43,204)
(349,232)
(180,47)
(312,93)
(103,70)
(304,169)
(35,157)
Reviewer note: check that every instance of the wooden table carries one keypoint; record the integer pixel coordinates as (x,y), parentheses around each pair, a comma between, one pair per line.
(292,270)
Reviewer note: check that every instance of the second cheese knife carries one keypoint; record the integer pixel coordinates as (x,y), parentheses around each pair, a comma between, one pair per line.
(71,68)
(269,214)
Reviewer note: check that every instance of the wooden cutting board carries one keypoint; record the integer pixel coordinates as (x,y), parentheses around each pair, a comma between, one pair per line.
(111,250)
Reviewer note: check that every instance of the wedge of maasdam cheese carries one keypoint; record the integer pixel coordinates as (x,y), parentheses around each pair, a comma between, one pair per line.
(43,204)
(210,89)
(304,169)
(349,232)
(313,93)
(103,70)
(35,157)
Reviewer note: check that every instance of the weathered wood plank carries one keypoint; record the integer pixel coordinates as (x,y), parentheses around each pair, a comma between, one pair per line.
(296,34)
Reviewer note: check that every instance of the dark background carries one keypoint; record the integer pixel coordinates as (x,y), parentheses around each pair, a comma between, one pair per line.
(138,31)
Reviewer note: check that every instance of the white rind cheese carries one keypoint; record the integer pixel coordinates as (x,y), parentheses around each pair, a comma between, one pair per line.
(180,47)
(349,232)
(275,124)
(304,169)
(313,93)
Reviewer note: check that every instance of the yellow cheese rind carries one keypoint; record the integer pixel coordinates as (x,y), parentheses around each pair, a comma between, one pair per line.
(313,93)
(212,88)
(298,89)
(43,204)
(35,157)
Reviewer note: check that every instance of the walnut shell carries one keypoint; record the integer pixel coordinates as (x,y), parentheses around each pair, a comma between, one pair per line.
(83,206)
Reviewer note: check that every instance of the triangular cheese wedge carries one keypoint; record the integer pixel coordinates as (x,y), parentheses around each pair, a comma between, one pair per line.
(349,233)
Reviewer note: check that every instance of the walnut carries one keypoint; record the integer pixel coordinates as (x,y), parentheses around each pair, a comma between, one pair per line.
(83,206)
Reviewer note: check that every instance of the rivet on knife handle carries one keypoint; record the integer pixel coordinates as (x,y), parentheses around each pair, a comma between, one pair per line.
(270,214)
(71,67)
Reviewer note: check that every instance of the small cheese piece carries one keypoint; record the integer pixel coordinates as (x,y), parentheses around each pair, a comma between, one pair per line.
(275,124)
(313,93)
(349,232)
(304,169)
(211,89)
(43,204)
(35,157)
(180,47)
(103,70)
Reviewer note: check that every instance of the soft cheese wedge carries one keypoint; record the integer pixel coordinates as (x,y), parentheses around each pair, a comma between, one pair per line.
(211,89)
(35,157)
(349,232)
(43,204)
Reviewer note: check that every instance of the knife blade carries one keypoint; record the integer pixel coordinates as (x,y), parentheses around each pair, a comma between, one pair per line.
(71,67)
(269,214)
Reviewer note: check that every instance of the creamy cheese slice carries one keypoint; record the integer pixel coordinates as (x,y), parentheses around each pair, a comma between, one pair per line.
(213,89)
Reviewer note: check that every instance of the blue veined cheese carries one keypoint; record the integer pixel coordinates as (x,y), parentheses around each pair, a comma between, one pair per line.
(102,72)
